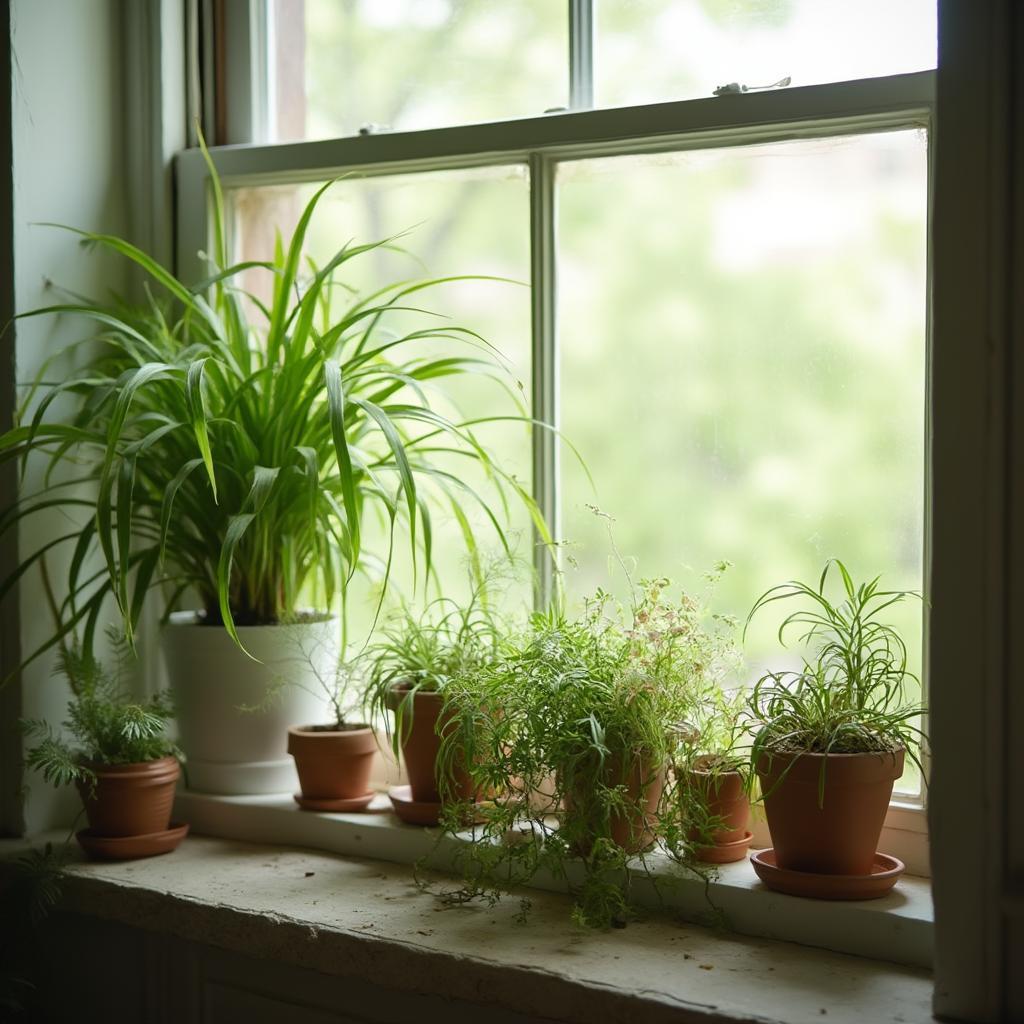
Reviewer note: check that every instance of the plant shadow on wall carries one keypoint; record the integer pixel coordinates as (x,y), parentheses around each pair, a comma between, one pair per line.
(233,455)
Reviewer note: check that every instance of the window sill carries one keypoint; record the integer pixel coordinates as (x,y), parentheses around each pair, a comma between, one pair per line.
(356,918)
(896,928)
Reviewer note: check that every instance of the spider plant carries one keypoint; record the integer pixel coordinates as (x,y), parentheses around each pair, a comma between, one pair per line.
(570,726)
(849,695)
(425,651)
(236,449)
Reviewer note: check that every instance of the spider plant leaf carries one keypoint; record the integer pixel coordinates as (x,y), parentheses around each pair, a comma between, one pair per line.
(31,560)
(197,417)
(336,411)
(275,332)
(158,273)
(100,315)
(230,272)
(397,447)
(143,578)
(219,241)
(167,504)
(237,526)
(125,487)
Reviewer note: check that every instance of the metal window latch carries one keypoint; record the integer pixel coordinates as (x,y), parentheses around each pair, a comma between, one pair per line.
(370,128)
(735,89)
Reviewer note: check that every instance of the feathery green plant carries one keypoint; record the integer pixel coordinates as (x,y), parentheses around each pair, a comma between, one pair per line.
(108,726)
(238,459)
(849,694)
(569,728)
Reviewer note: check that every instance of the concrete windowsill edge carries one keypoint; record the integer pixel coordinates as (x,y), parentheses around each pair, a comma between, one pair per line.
(358,917)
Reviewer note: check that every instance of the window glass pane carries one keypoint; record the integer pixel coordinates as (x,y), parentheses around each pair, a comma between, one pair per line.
(455,223)
(742,337)
(650,50)
(407,64)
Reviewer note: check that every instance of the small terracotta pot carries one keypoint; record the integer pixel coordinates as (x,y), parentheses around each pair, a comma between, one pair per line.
(130,799)
(725,800)
(333,764)
(422,743)
(633,828)
(839,836)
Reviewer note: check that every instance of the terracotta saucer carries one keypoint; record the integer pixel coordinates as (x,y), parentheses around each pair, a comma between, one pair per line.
(884,873)
(413,812)
(725,853)
(349,804)
(131,847)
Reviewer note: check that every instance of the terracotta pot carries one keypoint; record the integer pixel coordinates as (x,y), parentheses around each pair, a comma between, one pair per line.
(130,799)
(725,800)
(422,743)
(333,764)
(631,829)
(839,836)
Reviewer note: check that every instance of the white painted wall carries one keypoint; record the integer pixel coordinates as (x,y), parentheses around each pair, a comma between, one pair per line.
(69,168)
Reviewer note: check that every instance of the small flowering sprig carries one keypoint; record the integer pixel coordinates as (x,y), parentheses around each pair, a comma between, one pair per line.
(671,639)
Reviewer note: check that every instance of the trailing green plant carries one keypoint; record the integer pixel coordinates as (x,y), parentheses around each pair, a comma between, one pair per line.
(336,688)
(569,732)
(238,457)
(30,888)
(330,679)
(849,694)
(106,724)
(425,651)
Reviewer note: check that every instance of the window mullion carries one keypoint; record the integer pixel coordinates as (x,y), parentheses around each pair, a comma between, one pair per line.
(544,368)
(581,54)
(248,72)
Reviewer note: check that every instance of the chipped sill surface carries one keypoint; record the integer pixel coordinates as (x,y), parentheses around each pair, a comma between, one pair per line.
(896,928)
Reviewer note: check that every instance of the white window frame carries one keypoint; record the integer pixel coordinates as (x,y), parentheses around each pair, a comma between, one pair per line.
(540,143)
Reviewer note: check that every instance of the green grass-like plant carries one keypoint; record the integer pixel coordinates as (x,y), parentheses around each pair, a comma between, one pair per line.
(565,732)
(425,651)
(234,449)
(849,695)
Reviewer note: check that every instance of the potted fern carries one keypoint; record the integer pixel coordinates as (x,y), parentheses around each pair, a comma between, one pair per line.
(236,450)
(830,737)
(119,757)
(577,757)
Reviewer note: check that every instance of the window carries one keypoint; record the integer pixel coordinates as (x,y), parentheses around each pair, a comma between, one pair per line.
(751,323)
(728,311)
(409,64)
(650,50)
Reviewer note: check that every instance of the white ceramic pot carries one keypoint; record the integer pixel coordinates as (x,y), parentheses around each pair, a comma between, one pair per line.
(228,747)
